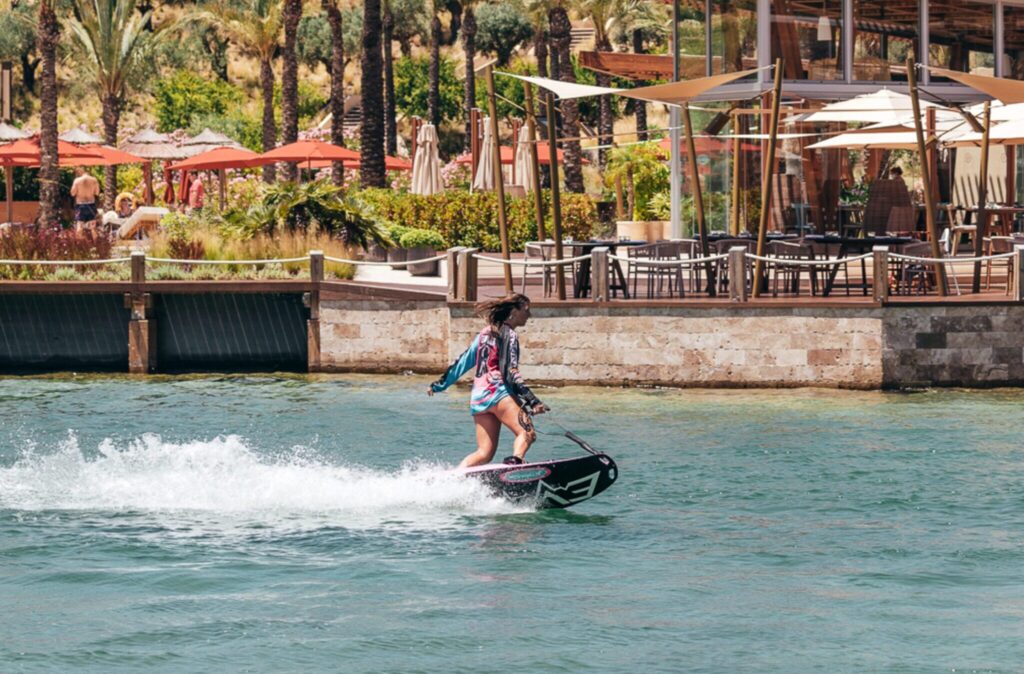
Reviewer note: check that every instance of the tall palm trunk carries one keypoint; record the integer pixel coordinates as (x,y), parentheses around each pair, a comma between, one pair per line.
(606,119)
(290,82)
(540,50)
(372,133)
(560,29)
(469,89)
(111,118)
(49,174)
(434,92)
(391,112)
(337,100)
(269,125)
(639,107)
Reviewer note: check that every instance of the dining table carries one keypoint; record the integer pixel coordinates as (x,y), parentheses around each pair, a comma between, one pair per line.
(581,277)
(1006,217)
(850,247)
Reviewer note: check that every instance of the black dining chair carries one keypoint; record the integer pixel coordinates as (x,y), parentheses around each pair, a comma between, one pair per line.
(791,274)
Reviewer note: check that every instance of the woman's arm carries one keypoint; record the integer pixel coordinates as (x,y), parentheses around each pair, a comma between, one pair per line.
(461,366)
(514,380)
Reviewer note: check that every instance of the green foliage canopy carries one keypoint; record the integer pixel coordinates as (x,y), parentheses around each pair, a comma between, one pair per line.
(412,83)
(185,95)
(500,29)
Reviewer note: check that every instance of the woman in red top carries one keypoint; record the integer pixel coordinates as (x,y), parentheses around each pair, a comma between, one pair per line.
(499,392)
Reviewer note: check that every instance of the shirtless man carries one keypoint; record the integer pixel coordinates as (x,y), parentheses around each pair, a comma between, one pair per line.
(85,191)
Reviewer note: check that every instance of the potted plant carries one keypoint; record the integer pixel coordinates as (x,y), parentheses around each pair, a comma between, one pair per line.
(641,170)
(396,252)
(421,244)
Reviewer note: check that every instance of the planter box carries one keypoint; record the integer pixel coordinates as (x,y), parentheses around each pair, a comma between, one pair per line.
(424,268)
(376,253)
(643,230)
(397,255)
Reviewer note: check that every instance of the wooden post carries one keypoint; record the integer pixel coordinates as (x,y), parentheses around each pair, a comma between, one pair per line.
(766,178)
(9,191)
(880,272)
(698,198)
(531,132)
(141,331)
(556,197)
(453,272)
(738,274)
(1018,274)
(599,273)
(467,275)
(499,178)
(316,277)
(926,177)
(147,181)
(222,181)
(734,219)
(981,229)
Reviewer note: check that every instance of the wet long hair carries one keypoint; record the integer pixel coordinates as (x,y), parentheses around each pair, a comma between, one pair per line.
(498,310)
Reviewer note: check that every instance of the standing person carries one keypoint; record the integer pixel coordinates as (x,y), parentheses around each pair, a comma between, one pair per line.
(499,393)
(196,193)
(85,190)
(896,173)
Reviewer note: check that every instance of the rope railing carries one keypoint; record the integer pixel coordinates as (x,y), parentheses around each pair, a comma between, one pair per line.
(949,260)
(534,263)
(683,262)
(790,262)
(114,260)
(368,263)
(284,260)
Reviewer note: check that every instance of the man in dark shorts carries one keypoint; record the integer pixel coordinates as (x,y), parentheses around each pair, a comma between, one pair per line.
(85,190)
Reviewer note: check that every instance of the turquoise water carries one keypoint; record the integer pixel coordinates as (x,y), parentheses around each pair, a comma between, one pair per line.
(296,525)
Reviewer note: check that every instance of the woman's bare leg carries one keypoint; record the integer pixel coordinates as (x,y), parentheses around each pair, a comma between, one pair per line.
(507,411)
(487,429)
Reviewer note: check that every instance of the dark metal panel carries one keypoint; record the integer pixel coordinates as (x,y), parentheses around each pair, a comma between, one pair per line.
(231,331)
(82,332)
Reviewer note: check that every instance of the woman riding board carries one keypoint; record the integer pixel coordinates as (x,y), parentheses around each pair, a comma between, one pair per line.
(499,392)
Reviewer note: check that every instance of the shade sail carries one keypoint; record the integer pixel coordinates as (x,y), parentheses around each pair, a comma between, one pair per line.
(219,158)
(902,140)
(307,151)
(564,90)
(1006,133)
(677,93)
(1007,91)
(884,105)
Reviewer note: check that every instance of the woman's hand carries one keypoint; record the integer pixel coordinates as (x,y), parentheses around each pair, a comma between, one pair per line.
(540,409)
(430,391)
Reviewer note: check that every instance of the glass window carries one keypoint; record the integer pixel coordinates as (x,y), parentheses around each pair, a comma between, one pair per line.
(961,35)
(1013,43)
(808,38)
(885,34)
(733,35)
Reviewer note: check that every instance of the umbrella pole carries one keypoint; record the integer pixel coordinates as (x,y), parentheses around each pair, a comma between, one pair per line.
(222,179)
(556,197)
(531,131)
(734,220)
(147,176)
(926,177)
(698,197)
(499,179)
(766,178)
(982,227)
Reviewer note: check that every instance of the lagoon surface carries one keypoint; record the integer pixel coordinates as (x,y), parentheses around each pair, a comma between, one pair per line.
(307,524)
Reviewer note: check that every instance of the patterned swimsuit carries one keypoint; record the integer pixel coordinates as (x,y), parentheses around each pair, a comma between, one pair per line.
(489,386)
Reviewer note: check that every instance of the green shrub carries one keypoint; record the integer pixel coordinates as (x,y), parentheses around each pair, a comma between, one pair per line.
(412,84)
(471,219)
(185,95)
(396,232)
(415,238)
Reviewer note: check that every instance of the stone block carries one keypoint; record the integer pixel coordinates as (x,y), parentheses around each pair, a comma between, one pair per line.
(930,340)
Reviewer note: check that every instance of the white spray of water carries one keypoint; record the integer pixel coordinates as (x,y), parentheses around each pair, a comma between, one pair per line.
(224,477)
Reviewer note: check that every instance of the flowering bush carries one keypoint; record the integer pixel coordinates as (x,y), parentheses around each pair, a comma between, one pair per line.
(31,243)
(456,176)
(856,193)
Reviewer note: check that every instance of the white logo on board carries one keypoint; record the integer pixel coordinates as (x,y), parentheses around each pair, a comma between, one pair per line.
(572,492)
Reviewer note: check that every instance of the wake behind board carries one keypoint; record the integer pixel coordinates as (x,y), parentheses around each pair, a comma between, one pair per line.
(549,484)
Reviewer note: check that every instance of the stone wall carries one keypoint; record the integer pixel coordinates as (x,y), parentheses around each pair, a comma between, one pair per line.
(383,335)
(863,347)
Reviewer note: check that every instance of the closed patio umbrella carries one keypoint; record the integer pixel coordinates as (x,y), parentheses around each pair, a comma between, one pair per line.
(426,166)
(524,164)
(484,179)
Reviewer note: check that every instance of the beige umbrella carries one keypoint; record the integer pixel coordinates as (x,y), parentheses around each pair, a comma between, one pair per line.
(152,145)
(426,166)
(9,133)
(80,136)
(524,163)
(207,140)
(485,169)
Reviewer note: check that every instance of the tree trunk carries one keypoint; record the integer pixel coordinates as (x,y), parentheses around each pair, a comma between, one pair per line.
(28,73)
(269,125)
(217,50)
(111,118)
(49,174)
(540,50)
(434,91)
(337,100)
(606,119)
(640,107)
(558,20)
(290,82)
(390,111)
(469,46)
(372,132)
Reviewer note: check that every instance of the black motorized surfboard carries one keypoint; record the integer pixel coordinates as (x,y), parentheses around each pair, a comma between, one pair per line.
(558,483)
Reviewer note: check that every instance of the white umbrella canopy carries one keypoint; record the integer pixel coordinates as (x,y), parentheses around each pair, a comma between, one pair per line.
(80,136)
(881,106)
(1004,133)
(524,162)
(484,179)
(426,165)
(9,133)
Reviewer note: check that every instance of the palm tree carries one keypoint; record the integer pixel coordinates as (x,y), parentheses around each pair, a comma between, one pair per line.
(372,132)
(49,175)
(290,82)
(638,21)
(469,46)
(255,27)
(115,42)
(560,30)
(337,99)
(434,91)
(603,13)
(390,113)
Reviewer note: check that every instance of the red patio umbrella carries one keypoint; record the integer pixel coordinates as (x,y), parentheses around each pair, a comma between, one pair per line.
(219,158)
(26,152)
(307,151)
(508,156)
(390,164)
(109,156)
